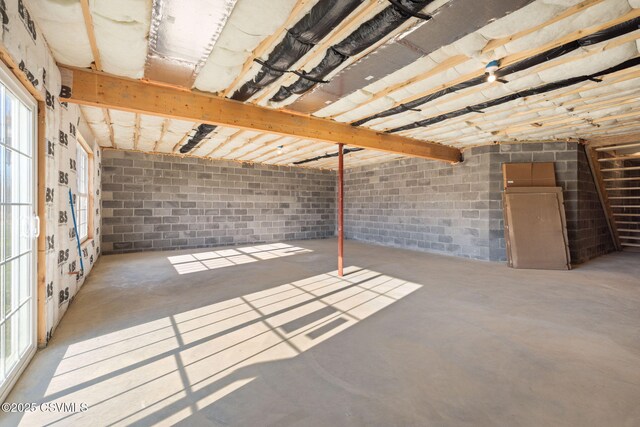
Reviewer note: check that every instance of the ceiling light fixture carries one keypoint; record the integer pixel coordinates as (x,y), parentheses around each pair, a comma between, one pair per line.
(490,70)
(280,149)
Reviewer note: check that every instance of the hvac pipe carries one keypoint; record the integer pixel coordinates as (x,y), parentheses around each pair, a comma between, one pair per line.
(340,209)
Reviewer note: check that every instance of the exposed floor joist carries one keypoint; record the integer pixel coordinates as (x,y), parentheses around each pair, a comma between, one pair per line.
(615,140)
(88,22)
(107,118)
(107,91)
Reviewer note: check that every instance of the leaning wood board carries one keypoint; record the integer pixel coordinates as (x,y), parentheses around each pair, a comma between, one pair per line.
(535,228)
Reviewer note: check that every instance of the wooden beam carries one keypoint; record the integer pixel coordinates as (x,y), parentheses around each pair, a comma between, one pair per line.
(136,132)
(106,91)
(165,126)
(615,159)
(88,23)
(617,142)
(107,118)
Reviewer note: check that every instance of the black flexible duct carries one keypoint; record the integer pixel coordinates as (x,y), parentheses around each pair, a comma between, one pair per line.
(327,156)
(600,36)
(201,133)
(365,36)
(522,94)
(313,27)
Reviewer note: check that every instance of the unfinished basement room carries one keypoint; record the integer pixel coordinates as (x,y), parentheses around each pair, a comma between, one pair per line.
(320,213)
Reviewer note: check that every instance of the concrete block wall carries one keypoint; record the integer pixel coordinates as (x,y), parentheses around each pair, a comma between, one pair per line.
(161,202)
(586,223)
(457,210)
(422,204)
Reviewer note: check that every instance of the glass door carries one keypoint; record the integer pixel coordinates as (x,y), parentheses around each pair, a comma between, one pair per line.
(18,230)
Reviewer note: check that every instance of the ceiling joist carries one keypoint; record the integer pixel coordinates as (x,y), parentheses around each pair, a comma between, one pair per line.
(88,22)
(106,91)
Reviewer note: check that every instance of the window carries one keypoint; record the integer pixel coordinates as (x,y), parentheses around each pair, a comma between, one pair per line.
(82,201)
(18,164)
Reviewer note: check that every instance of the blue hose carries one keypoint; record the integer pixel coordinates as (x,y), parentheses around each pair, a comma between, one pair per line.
(75,226)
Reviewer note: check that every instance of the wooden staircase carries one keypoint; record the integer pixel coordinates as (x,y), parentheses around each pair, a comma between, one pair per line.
(616,168)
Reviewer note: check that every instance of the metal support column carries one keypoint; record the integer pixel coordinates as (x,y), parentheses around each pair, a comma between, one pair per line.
(340,208)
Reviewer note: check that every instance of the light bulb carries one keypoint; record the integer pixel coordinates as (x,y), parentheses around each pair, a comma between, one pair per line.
(490,70)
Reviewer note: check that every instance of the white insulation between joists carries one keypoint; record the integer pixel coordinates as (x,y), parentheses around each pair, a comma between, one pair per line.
(96,121)
(123,128)
(176,131)
(121,28)
(150,132)
(63,26)
(249,24)
(594,15)
(404,28)
(534,14)
(254,145)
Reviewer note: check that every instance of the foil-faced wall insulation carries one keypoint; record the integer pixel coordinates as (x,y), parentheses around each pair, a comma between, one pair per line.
(180,41)
(313,27)
(365,36)
(549,55)
(450,22)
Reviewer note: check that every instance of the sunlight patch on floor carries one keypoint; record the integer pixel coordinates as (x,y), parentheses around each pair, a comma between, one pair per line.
(173,367)
(203,261)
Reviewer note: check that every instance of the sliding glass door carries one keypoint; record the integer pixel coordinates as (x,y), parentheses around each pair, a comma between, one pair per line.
(18,231)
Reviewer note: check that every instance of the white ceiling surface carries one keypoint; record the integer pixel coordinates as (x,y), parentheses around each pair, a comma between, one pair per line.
(580,111)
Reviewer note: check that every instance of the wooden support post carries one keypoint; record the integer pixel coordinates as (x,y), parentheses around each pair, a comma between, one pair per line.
(340,209)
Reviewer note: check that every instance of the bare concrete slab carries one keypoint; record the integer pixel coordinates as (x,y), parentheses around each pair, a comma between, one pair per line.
(269,335)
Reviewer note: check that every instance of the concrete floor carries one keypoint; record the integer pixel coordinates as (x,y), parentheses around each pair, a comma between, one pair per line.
(270,336)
